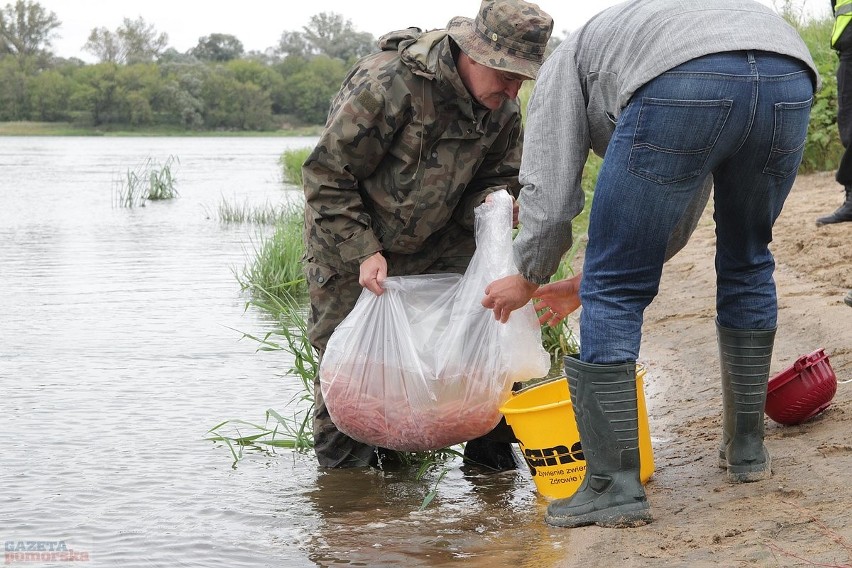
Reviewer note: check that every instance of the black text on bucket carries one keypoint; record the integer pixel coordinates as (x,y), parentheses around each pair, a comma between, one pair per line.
(549,457)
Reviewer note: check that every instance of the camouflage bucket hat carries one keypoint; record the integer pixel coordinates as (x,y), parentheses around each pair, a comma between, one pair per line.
(510,35)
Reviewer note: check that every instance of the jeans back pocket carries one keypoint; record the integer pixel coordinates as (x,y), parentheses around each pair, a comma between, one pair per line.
(788,138)
(673,137)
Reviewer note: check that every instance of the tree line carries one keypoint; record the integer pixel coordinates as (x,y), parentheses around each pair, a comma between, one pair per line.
(140,81)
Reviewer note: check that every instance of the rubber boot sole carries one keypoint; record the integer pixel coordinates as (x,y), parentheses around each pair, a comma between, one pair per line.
(748,473)
(621,517)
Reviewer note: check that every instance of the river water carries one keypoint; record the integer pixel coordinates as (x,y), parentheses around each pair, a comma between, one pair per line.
(121,346)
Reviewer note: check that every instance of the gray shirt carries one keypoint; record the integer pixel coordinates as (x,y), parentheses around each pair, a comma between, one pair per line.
(588,80)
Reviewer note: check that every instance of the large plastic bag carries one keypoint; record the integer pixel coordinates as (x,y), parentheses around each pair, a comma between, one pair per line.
(424,366)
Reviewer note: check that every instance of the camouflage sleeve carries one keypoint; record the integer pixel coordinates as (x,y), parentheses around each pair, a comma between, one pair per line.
(355,139)
(500,169)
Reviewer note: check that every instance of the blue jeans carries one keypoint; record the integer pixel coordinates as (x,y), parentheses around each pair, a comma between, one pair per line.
(740,117)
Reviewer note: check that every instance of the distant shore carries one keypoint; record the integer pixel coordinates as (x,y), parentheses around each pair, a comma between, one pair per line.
(69,129)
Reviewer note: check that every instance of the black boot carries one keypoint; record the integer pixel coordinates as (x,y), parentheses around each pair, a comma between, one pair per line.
(494,450)
(745,356)
(843,213)
(848,299)
(605,408)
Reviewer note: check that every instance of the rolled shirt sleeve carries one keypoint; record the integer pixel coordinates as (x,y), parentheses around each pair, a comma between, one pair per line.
(556,147)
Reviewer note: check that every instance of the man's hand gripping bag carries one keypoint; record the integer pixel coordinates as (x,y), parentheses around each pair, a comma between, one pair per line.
(424,366)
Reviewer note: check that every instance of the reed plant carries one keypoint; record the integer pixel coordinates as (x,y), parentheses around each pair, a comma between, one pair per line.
(291,164)
(291,429)
(276,267)
(151,181)
(129,191)
(266,214)
(161,180)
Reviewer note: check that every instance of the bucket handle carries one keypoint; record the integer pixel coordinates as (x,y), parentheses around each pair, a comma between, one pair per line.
(808,360)
(547,406)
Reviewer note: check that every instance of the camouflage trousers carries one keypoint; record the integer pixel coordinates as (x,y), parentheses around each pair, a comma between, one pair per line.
(333,294)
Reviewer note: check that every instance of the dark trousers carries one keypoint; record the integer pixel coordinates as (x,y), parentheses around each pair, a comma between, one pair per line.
(844,106)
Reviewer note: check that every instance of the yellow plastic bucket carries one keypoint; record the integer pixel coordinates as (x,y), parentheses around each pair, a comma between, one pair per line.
(543,421)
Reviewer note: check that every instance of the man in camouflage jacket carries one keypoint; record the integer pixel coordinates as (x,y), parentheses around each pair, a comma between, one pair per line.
(419,134)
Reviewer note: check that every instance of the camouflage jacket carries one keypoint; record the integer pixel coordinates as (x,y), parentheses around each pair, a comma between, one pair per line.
(405,152)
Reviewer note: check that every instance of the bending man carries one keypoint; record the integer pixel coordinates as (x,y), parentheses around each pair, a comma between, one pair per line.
(678,97)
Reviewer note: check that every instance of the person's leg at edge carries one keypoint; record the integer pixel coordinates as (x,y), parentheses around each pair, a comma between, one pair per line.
(750,189)
(844,127)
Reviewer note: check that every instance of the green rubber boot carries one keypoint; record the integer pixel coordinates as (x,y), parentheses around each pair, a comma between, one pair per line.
(605,408)
(745,356)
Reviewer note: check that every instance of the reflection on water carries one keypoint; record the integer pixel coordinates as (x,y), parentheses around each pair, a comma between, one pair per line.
(371,518)
(120,347)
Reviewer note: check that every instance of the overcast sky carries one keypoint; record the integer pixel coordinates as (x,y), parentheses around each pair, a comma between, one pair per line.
(258,24)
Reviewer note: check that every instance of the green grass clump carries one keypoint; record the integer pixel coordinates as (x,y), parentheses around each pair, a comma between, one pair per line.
(151,181)
(266,214)
(161,181)
(276,268)
(291,164)
(281,430)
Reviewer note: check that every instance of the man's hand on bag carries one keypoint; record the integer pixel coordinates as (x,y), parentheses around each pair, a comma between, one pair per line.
(515,208)
(507,295)
(373,272)
(557,299)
